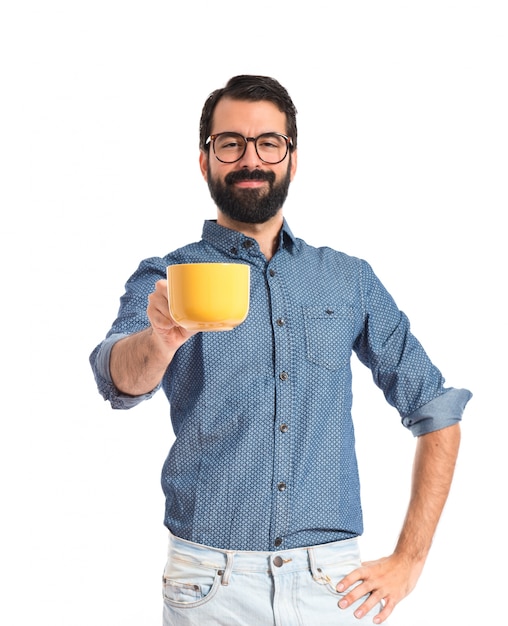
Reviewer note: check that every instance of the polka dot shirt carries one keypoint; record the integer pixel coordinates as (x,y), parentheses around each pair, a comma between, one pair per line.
(262,413)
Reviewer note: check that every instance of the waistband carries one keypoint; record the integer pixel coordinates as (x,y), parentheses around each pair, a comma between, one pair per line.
(312,558)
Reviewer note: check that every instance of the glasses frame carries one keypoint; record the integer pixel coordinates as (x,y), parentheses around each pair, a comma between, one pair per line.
(211,139)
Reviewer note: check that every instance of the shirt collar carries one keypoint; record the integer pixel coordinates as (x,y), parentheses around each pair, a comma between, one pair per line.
(232,241)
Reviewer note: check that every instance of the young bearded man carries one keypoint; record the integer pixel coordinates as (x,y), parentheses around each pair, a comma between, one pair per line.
(261,483)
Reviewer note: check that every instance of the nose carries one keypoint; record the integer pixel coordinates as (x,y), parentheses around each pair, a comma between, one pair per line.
(250,158)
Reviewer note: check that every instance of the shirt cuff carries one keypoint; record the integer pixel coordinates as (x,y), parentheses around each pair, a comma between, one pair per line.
(443,411)
(117,399)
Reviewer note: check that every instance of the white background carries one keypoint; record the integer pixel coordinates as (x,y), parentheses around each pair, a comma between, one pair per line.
(403,161)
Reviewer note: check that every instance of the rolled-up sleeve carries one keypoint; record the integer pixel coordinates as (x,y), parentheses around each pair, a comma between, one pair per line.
(443,411)
(131,318)
(99,360)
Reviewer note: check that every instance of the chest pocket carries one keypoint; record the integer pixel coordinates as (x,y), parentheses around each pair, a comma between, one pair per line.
(329,335)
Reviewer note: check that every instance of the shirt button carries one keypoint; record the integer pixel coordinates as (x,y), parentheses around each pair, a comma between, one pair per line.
(272,273)
(281,321)
(277,542)
(281,486)
(234,250)
(248,243)
(283,375)
(283,428)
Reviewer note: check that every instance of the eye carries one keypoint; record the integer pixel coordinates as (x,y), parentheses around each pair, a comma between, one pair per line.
(271,142)
(229,142)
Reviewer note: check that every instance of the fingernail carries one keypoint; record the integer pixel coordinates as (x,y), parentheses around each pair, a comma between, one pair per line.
(343,604)
(340,587)
(358,614)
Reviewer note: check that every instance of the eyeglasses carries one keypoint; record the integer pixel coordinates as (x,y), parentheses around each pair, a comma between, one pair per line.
(271,148)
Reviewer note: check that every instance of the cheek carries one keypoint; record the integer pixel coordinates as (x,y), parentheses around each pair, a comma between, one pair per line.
(218,171)
(285,174)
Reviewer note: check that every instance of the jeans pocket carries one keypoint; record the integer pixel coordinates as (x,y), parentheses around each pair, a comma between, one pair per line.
(329,575)
(185,584)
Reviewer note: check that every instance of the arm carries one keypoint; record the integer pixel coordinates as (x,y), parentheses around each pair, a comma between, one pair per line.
(392,578)
(138,362)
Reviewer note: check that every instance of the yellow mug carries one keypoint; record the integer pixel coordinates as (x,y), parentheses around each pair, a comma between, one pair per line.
(209,296)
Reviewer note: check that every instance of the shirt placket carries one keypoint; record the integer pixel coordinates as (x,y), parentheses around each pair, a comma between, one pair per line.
(282,480)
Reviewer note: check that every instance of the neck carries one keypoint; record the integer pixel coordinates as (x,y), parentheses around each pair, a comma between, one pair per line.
(266,235)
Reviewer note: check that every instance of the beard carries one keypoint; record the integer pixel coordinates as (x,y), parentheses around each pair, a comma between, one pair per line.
(250,206)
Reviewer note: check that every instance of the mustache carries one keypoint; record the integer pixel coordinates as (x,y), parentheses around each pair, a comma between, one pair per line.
(240,175)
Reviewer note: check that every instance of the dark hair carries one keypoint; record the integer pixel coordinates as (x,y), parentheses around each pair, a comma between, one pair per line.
(254,89)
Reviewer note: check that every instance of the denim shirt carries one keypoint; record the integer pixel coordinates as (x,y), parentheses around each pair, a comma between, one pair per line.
(262,412)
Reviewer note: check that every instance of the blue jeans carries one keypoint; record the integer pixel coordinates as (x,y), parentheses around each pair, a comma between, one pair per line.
(205,586)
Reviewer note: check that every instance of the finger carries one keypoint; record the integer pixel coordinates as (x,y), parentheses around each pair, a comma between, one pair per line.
(372,602)
(385,612)
(162,286)
(351,579)
(158,305)
(159,318)
(361,590)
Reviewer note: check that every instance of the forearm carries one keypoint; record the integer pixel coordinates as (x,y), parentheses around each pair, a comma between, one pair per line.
(434,465)
(138,362)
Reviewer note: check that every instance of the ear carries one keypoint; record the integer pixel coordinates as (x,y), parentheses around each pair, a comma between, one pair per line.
(294,159)
(203,164)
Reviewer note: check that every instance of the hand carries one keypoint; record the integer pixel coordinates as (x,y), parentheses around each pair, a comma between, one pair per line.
(387,580)
(138,361)
(165,329)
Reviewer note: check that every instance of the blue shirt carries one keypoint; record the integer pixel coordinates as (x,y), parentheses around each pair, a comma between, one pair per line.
(262,413)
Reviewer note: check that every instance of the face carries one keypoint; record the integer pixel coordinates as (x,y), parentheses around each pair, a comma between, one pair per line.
(248,190)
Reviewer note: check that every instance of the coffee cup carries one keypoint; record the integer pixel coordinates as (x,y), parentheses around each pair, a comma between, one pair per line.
(208,296)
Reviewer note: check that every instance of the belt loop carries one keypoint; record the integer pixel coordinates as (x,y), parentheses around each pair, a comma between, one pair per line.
(313,566)
(229,566)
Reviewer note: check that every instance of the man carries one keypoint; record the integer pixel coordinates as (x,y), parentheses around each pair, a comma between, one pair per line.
(261,483)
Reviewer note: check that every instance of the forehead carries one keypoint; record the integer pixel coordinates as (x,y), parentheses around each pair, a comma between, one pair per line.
(248,118)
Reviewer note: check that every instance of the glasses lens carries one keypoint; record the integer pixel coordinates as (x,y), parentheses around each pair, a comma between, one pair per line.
(272,147)
(229,147)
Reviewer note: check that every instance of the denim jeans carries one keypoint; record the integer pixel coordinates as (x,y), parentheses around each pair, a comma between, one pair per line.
(205,586)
